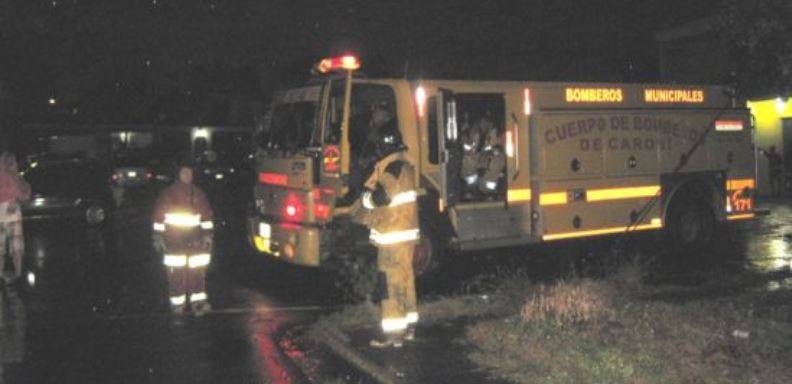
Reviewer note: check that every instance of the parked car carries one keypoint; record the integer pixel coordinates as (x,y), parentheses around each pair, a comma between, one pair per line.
(68,189)
(131,175)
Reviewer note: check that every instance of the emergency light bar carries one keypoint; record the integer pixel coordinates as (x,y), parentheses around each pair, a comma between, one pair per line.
(347,62)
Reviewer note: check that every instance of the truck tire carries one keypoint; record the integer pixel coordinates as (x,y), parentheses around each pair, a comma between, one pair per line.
(429,251)
(691,222)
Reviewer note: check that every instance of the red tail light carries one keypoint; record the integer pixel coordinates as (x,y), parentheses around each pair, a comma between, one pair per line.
(273,179)
(321,211)
(293,208)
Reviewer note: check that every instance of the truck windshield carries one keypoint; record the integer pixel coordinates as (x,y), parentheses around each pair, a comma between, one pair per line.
(291,122)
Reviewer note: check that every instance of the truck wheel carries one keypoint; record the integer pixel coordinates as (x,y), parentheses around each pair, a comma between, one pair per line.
(423,257)
(691,224)
(428,252)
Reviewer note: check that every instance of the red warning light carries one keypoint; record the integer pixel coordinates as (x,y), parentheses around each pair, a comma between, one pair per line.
(347,62)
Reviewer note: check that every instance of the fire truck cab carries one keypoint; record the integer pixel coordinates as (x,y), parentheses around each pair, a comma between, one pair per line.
(504,163)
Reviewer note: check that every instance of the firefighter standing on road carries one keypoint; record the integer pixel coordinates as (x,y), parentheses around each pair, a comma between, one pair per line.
(390,211)
(183,234)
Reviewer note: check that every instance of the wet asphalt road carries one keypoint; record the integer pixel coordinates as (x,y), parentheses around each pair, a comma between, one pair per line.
(98,312)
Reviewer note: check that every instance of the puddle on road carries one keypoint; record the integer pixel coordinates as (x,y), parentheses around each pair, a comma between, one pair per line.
(278,358)
(768,240)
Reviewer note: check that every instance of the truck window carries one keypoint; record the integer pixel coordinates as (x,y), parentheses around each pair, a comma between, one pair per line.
(434,150)
(364,98)
(291,127)
(291,122)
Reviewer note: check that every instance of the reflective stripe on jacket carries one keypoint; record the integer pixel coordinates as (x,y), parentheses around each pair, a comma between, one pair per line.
(183,205)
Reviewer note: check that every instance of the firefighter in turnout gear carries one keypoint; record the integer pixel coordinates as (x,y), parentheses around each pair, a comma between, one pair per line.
(183,230)
(389,210)
(492,161)
(471,157)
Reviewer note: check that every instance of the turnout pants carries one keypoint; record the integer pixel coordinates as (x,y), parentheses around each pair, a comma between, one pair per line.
(399,307)
(187,283)
(12,243)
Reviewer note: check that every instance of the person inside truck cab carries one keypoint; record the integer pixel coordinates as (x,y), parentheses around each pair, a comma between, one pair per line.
(492,160)
(360,127)
(471,154)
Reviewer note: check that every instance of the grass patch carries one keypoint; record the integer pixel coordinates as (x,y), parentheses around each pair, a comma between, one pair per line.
(581,301)
(617,331)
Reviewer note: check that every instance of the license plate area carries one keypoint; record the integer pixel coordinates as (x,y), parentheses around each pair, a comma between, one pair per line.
(289,242)
(264,240)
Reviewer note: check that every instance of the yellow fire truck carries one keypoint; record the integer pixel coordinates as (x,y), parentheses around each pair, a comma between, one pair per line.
(578,160)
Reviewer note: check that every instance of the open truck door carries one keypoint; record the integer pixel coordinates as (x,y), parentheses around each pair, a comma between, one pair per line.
(477,215)
(448,141)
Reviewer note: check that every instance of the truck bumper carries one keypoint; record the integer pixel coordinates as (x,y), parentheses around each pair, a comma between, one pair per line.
(292,243)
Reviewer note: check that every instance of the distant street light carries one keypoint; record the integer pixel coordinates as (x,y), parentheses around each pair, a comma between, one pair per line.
(52,101)
(781,104)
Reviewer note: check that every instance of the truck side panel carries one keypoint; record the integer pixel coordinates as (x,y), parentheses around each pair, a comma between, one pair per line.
(596,171)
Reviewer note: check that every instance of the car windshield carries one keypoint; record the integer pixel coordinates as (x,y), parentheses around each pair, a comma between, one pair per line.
(132,159)
(64,179)
(291,123)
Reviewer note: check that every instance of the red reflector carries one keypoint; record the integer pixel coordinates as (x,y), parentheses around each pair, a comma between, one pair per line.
(289,251)
(728,125)
(321,211)
(273,178)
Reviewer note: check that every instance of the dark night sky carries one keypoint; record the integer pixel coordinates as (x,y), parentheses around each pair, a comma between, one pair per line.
(128,61)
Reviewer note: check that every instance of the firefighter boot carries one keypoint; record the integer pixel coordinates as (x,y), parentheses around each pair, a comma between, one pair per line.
(201,308)
(389,340)
(409,335)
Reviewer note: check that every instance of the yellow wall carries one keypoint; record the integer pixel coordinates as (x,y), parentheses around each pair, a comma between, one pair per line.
(768,115)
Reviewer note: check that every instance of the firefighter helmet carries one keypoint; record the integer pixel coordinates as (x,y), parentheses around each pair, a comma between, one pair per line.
(384,137)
